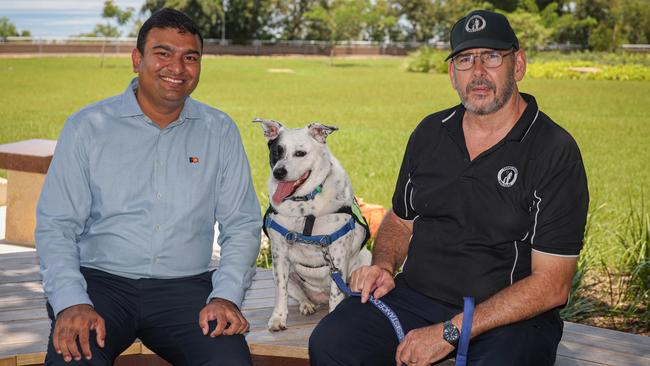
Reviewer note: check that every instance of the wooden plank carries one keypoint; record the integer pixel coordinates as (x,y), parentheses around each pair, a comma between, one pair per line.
(10,361)
(563,361)
(17,304)
(23,277)
(22,288)
(636,347)
(9,260)
(259,360)
(583,352)
(607,334)
(31,255)
(24,314)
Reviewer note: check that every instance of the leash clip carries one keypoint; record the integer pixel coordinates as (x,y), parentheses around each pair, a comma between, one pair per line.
(325,240)
(329,260)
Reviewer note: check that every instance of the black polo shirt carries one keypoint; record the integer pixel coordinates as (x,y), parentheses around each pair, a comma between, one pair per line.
(476,222)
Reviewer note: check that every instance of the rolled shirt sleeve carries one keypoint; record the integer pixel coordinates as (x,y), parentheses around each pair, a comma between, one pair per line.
(238,215)
(62,211)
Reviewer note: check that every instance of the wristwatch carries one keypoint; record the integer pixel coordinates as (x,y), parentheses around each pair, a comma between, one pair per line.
(450,333)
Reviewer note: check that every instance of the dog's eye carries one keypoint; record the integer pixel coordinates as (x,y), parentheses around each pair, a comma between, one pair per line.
(299,153)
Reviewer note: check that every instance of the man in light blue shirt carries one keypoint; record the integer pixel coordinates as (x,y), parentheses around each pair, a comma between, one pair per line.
(125,222)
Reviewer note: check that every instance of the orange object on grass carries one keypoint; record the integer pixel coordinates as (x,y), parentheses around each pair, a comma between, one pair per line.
(374,214)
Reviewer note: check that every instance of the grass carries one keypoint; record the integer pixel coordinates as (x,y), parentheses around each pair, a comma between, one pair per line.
(376,104)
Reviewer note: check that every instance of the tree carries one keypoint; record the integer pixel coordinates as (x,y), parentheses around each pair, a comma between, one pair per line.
(636,21)
(340,20)
(8,29)
(292,22)
(382,22)
(110,11)
(427,19)
(529,28)
(249,19)
(420,16)
(244,19)
(565,28)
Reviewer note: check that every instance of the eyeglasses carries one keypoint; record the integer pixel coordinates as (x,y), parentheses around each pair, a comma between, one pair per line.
(489,59)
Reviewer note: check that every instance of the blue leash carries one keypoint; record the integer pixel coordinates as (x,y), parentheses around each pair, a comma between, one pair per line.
(466,328)
(465,332)
(380,305)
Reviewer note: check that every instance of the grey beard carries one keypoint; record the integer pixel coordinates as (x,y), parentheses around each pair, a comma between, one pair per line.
(499,100)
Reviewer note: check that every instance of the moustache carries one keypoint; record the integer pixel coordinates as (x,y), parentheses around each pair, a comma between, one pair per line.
(480,82)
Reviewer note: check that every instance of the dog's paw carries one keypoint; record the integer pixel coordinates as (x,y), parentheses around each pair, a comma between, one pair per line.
(307,308)
(277,323)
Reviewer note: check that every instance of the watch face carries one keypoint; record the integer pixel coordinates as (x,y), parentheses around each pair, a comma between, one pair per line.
(450,333)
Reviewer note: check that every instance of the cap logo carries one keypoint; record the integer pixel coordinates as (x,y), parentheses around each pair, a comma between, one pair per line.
(507,176)
(475,23)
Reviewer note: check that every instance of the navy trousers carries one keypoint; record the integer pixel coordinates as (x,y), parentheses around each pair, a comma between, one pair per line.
(163,314)
(357,334)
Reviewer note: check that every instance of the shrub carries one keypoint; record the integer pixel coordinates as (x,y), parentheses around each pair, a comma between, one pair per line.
(427,59)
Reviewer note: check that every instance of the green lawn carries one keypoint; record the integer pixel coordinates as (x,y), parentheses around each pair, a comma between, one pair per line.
(374,102)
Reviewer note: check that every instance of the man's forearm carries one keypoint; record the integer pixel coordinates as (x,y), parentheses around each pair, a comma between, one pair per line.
(525,299)
(391,245)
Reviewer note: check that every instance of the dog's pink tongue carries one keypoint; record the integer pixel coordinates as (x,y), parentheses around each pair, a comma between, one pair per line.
(284,189)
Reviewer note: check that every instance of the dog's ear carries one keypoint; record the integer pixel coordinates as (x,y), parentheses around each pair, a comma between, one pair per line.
(271,128)
(320,131)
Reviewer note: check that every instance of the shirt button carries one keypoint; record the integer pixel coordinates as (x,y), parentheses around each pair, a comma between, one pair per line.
(158,195)
(157,227)
(156,259)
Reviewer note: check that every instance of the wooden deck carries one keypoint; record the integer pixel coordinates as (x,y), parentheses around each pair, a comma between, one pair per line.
(24,327)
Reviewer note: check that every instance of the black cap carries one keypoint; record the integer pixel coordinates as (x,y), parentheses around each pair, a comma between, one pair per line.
(482,29)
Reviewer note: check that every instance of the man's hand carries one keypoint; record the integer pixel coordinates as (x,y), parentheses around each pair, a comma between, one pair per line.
(375,279)
(74,323)
(423,346)
(229,319)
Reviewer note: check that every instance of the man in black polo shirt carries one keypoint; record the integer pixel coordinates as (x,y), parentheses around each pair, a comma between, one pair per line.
(491,202)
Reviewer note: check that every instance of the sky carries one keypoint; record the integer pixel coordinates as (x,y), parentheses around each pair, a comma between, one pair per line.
(60,18)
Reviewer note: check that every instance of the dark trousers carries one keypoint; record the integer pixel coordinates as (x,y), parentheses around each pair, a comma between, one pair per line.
(359,334)
(163,314)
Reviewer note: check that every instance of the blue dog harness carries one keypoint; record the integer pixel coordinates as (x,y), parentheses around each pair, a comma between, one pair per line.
(296,237)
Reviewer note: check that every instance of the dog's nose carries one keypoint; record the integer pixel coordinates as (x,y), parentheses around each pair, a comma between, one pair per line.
(279,173)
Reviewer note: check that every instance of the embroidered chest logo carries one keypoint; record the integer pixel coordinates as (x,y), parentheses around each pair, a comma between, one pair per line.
(475,24)
(194,160)
(507,176)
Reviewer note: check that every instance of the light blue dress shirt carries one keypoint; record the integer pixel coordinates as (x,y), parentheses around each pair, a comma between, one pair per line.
(124,196)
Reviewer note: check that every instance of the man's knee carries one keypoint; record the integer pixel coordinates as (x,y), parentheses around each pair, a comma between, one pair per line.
(351,335)
(99,358)
(221,351)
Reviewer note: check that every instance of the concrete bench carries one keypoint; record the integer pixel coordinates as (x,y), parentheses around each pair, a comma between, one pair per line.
(26,163)
(24,327)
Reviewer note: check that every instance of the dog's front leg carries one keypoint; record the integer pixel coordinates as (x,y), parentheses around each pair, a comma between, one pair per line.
(278,320)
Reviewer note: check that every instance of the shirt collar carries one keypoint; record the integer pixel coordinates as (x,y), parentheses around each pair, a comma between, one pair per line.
(453,121)
(130,106)
(526,121)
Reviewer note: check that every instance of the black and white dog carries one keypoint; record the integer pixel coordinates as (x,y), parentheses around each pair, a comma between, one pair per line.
(313,220)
